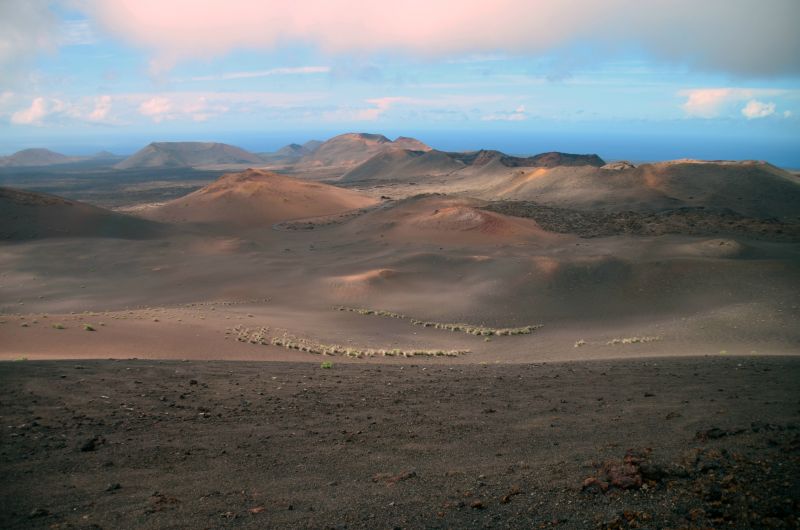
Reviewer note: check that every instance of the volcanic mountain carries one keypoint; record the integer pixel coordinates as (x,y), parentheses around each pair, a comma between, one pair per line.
(291,153)
(351,149)
(188,154)
(416,165)
(106,155)
(35,157)
(749,188)
(404,164)
(486,157)
(255,198)
(30,215)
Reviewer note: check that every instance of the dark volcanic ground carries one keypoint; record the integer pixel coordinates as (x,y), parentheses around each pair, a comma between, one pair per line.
(696,221)
(711,443)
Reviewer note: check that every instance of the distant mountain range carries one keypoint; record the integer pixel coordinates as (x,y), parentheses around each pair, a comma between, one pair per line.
(355,154)
(188,154)
(348,150)
(405,164)
(38,157)
(291,153)
(256,198)
(362,160)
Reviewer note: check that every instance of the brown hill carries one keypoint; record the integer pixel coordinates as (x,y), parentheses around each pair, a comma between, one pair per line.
(35,157)
(402,165)
(348,150)
(255,198)
(442,219)
(749,188)
(486,157)
(412,144)
(187,154)
(416,165)
(291,153)
(29,215)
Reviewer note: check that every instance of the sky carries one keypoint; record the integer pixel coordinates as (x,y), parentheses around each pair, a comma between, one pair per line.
(662,79)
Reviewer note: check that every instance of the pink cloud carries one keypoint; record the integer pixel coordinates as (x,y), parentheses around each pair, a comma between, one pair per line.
(758,109)
(202,106)
(381,105)
(125,108)
(706,102)
(710,32)
(156,108)
(33,115)
(101,109)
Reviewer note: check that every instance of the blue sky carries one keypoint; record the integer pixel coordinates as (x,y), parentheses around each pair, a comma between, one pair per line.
(81,76)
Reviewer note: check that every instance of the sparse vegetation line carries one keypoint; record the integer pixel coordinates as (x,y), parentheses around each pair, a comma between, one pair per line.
(483,331)
(633,340)
(625,340)
(263,336)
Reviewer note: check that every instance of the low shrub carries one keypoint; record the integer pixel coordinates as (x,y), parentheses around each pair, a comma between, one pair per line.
(482,331)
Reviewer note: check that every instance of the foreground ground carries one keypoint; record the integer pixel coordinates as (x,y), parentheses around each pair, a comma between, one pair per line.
(713,441)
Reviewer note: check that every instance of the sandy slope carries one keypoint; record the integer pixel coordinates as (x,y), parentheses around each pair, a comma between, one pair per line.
(255,198)
(684,291)
(438,218)
(28,215)
(749,188)
(432,258)
(753,189)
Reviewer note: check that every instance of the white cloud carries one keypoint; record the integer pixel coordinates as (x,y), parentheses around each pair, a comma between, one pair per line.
(48,110)
(127,108)
(706,35)
(787,113)
(298,70)
(706,102)
(714,102)
(203,106)
(101,109)
(758,109)
(156,108)
(375,109)
(33,115)
(381,105)
(517,114)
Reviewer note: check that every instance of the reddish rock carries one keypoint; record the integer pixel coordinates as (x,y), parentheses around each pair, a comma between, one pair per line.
(594,485)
